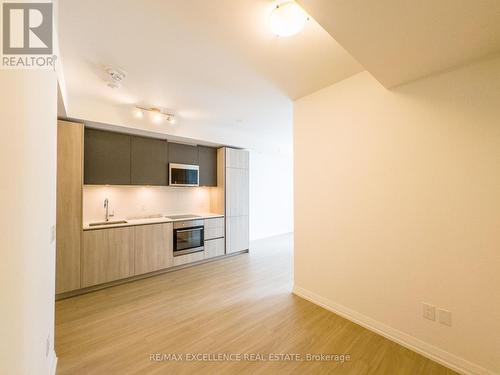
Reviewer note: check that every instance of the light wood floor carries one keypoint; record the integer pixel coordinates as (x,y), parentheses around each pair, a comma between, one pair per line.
(238,305)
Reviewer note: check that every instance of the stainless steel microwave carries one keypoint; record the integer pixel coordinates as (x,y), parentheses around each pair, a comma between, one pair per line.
(183,175)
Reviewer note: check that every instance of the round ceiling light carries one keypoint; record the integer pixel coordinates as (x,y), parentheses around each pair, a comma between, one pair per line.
(288,19)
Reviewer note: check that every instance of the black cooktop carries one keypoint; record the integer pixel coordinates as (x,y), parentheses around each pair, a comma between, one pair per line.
(175,217)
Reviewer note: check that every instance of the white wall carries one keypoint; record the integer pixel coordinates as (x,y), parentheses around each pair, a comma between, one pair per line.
(271,193)
(27,215)
(397,197)
(139,201)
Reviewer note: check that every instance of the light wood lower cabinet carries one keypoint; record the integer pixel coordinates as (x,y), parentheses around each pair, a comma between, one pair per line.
(214,248)
(117,253)
(189,258)
(108,255)
(153,247)
(236,234)
(214,228)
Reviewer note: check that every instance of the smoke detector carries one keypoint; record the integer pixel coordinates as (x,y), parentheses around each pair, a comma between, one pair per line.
(115,77)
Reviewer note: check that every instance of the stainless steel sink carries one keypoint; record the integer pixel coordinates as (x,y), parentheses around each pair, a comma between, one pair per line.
(108,223)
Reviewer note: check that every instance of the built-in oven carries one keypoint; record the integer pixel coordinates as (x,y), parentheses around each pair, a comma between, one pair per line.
(189,237)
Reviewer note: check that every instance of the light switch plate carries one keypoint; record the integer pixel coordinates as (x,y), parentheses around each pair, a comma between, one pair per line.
(444,317)
(52,234)
(428,311)
(47,346)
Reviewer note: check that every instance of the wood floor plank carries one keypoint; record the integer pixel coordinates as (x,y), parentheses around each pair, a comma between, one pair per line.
(241,304)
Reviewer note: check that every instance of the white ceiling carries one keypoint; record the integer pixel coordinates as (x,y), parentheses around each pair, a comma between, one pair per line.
(217,66)
(401,40)
(214,63)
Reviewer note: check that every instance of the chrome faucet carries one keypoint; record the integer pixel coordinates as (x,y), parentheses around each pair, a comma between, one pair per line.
(106,207)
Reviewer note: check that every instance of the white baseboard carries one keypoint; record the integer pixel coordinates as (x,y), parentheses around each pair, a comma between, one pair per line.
(432,352)
(53,363)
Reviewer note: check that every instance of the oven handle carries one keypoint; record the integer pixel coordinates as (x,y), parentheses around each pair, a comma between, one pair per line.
(188,230)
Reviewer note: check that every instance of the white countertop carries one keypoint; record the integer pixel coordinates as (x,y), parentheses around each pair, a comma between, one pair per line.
(149,220)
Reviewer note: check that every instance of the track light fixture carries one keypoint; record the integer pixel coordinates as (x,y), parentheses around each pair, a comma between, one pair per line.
(156,114)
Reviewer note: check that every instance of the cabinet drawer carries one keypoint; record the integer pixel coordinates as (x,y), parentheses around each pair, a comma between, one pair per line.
(189,258)
(214,228)
(214,248)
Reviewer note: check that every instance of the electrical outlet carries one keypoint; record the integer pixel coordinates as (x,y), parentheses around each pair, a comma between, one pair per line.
(428,311)
(444,317)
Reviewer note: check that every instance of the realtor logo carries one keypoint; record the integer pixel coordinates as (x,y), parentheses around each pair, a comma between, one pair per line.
(27,35)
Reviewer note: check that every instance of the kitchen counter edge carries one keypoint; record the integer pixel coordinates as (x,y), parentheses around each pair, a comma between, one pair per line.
(160,220)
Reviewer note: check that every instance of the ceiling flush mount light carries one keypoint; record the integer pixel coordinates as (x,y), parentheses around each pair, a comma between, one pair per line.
(156,114)
(288,19)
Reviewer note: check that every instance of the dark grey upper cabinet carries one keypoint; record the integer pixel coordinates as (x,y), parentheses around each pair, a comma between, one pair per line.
(208,165)
(182,154)
(149,162)
(106,158)
(122,159)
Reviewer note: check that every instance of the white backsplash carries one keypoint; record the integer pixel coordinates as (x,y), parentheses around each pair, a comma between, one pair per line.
(140,201)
